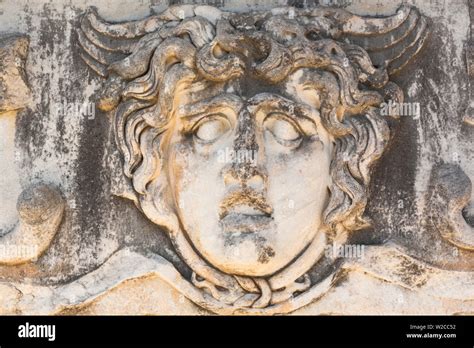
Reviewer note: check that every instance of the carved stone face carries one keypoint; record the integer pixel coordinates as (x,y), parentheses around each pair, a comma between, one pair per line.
(249,173)
(250,138)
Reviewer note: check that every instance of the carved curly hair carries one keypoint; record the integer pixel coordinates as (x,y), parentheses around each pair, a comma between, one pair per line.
(271,49)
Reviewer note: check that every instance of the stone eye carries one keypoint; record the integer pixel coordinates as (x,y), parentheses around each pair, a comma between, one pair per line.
(284,131)
(211,128)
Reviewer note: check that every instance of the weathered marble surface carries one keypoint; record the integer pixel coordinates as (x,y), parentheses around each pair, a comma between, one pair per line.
(107,257)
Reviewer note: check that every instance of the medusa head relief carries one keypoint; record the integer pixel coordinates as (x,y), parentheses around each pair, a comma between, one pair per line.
(250,138)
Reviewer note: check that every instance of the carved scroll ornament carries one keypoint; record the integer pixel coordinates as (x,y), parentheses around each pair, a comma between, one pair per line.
(40,206)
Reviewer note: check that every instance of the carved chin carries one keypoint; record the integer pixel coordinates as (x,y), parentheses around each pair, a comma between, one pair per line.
(253,253)
(248,254)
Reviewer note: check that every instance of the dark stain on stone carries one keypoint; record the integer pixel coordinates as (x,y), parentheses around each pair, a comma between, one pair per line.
(216,3)
(303,3)
(411,273)
(265,254)
(324,268)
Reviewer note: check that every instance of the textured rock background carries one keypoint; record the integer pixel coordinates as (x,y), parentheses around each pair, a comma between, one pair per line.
(62,139)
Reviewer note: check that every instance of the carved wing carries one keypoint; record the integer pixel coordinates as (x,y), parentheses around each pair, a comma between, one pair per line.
(104,43)
(125,48)
(390,41)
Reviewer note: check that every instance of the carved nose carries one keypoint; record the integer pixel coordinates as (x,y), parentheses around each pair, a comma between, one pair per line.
(254,180)
(246,168)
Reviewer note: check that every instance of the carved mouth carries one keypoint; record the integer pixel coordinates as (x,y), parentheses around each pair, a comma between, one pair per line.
(248,210)
(245,222)
(245,212)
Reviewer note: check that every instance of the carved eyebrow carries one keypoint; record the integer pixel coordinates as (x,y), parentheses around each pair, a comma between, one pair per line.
(276,102)
(222,101)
